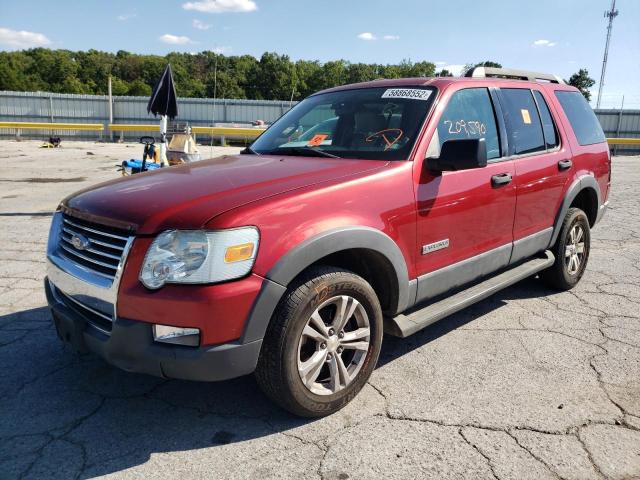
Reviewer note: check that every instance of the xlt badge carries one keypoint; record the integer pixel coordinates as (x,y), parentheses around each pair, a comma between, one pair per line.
(432,247)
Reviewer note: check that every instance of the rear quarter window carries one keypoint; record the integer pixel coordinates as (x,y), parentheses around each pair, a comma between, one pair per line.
(583,121)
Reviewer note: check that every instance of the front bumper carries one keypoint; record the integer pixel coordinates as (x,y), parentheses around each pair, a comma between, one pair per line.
(130,346)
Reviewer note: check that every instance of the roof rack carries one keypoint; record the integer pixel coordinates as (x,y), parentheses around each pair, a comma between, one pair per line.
(483,72)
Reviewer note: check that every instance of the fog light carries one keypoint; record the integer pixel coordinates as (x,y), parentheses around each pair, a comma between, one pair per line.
(176,335)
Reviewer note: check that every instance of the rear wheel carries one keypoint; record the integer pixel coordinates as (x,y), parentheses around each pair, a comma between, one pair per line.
(322,344)
(571,251)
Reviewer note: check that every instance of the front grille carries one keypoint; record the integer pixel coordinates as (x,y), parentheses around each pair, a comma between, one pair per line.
(99,320)
(97,248)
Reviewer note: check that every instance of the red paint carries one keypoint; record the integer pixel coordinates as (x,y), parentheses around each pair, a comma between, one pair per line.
(187,196)
(219,311)
(291,199)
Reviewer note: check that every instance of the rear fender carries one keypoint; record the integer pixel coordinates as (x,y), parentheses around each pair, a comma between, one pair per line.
(581,183)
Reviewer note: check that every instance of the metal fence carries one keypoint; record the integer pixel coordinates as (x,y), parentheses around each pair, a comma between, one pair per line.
(56,107)
(621,123)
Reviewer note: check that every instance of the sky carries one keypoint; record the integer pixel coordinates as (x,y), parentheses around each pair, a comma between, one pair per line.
(554,36)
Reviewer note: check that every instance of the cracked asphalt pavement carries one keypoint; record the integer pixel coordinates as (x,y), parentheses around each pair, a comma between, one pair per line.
(530,383)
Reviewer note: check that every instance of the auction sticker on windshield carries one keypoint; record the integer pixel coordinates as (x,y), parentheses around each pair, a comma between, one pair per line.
(411,93)
(317,139)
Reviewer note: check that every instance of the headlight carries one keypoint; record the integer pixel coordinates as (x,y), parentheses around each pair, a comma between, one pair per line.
(199,256)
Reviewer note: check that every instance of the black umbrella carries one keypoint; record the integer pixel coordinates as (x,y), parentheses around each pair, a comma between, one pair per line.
(163,99)
(163,102)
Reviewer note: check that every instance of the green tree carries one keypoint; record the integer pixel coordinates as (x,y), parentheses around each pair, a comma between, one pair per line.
(583,82)
(488,63)
(139,88)
(444,73)
(119,87)
(307,73)
(360,72)
(272,77)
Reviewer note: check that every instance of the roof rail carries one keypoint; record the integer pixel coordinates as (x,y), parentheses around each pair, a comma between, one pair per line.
(483,72)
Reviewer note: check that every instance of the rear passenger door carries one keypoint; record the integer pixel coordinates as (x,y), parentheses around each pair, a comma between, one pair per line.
(542,163)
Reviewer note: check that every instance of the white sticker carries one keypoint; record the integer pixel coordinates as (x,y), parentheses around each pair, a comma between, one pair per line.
(411,93)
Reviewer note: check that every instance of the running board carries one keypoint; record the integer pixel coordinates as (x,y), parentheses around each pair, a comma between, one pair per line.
(405,325)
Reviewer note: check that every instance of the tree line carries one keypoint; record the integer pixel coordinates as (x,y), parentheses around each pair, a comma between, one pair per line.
(204,74)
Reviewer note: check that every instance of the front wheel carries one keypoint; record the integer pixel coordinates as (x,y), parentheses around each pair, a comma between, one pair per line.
(322,343)
(571,251)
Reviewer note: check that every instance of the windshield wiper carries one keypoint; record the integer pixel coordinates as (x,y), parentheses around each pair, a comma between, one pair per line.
(304,150)
(248,151)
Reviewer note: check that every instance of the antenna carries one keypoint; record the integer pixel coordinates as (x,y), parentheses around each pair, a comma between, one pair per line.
(610,14)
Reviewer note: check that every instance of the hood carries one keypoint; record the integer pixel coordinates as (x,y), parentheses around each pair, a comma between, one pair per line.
(189,195)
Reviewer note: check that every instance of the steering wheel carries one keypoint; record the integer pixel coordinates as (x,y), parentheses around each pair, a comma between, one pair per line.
(388,136)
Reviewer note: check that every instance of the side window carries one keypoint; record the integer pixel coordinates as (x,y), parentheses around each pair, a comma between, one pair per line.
(469,114)
(523,122)
(549,129)
(582,119)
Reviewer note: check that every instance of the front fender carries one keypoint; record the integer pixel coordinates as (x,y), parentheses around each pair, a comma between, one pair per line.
(310,251)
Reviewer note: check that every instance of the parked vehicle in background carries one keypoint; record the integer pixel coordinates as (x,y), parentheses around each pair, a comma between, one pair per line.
(410,200)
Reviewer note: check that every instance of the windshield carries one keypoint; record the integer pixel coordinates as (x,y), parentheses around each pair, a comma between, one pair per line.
(368,123)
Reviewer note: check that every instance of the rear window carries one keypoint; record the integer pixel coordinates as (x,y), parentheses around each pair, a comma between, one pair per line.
(582,119)
(523,121)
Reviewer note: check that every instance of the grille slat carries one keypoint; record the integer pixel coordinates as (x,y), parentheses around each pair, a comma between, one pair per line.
(93,250)
(73,251)
(102,250)
(89,229)
(95,240)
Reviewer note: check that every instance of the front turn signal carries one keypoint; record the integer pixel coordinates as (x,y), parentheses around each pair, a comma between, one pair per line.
(239,253)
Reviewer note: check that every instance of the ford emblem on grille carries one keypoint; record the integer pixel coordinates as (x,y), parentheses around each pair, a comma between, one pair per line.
(80,242)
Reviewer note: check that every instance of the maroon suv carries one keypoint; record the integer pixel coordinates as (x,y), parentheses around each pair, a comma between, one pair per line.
(376,207)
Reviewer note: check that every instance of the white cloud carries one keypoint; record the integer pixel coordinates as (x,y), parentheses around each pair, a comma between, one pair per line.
(440,63)
(222,50)
(22,39)
(175,39)
(543,43)
(126,16)
(221,6)
(367,36)
(391,37)
(200,25)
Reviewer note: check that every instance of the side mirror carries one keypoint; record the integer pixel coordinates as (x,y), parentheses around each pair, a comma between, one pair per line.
(462,154)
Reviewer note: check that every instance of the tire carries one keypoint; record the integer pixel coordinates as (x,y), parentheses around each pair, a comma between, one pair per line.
(571,251)
(311,305)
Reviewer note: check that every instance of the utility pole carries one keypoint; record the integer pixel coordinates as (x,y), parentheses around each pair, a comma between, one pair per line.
(110,108)
(610,14)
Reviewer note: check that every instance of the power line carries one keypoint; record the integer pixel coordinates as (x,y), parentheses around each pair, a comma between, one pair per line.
(611,14)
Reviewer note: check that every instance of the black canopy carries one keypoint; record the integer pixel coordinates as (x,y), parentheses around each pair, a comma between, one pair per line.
(163,99)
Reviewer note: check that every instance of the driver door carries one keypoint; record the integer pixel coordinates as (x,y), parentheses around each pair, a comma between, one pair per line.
(465,218)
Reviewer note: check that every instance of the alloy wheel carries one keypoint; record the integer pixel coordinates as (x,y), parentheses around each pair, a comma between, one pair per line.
(574,250)
(334,344)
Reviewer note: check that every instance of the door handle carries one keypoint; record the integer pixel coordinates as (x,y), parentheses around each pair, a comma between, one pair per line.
(564,164)
(501,179)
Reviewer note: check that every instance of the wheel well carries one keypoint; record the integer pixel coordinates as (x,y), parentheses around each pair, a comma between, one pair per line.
(587,201)
(374,267)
